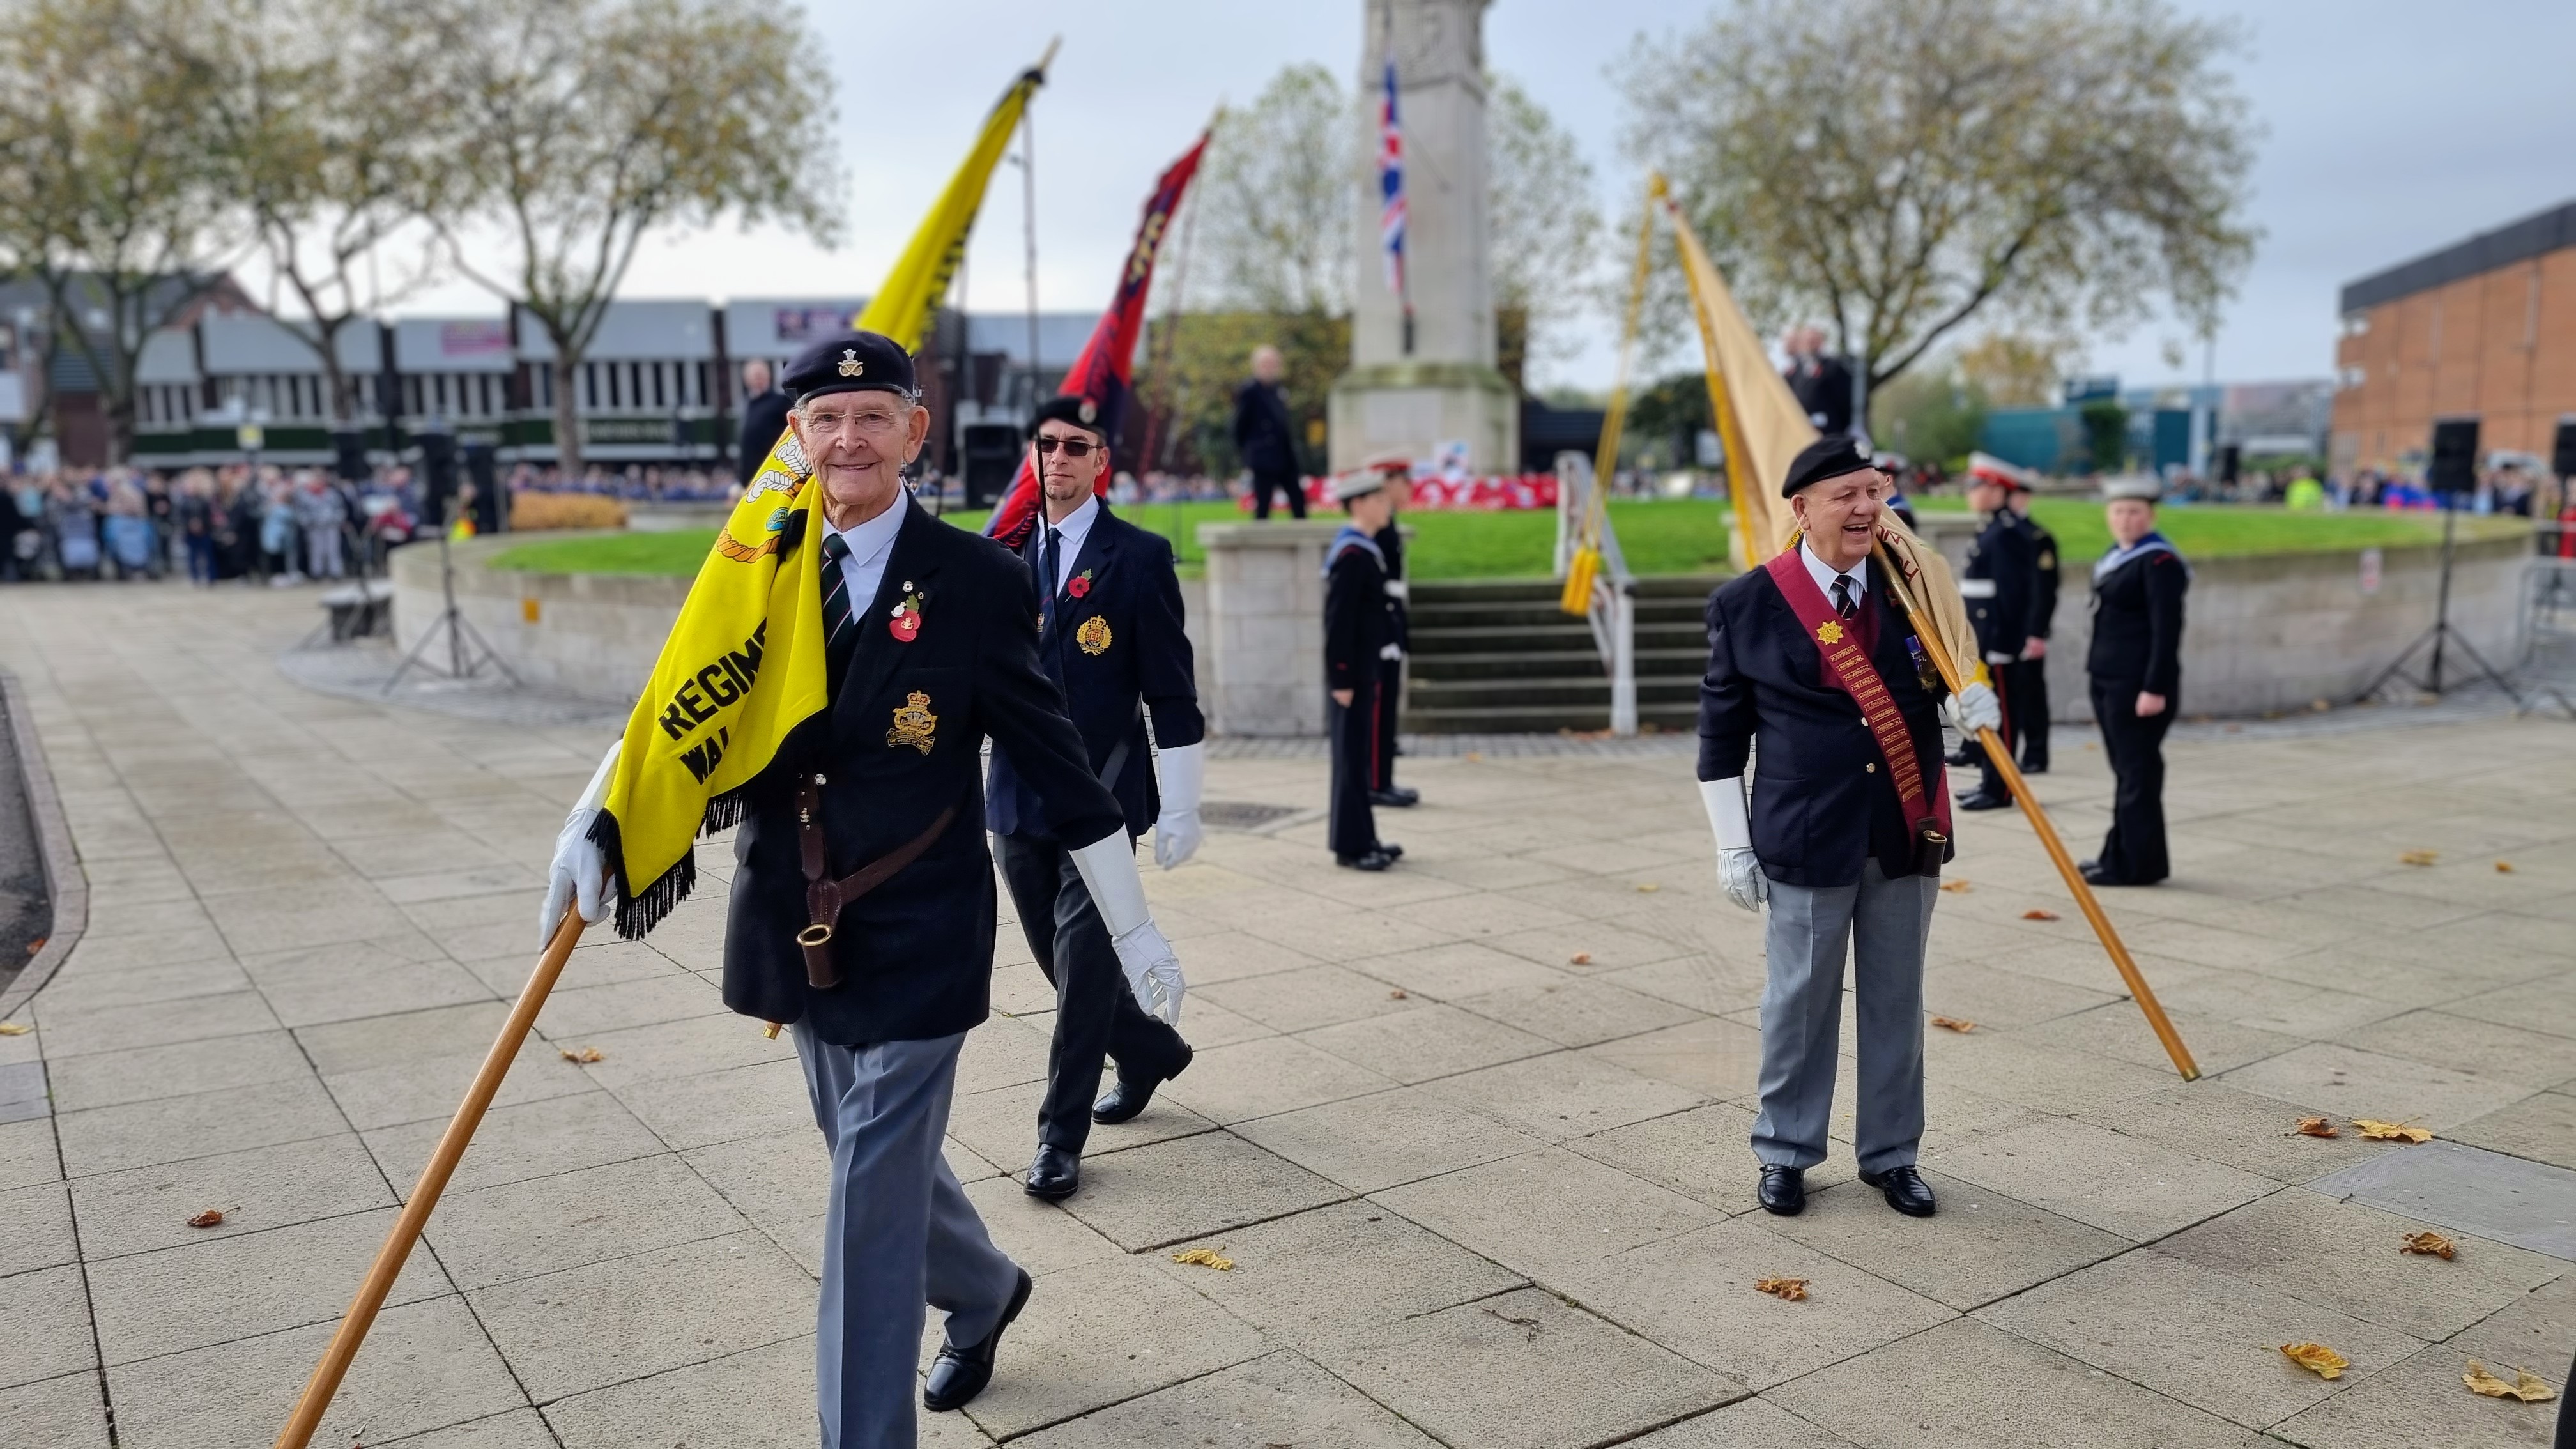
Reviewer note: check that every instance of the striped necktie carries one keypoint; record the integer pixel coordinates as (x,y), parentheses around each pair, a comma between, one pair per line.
(840,623)
(1843,604)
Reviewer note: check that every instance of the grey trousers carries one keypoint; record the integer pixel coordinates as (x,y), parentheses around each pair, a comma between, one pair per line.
(1885,924)
(899,1233)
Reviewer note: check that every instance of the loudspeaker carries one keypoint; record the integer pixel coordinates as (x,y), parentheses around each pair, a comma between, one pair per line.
(2562,458)
(992,460)
(482,469)
(350,449)
(2454,465)
(437,474)
(2231,463)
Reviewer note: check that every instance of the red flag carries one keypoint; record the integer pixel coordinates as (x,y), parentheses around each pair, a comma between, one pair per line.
(1107,364)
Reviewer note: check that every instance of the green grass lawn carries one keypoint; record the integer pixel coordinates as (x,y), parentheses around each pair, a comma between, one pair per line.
(1661,537)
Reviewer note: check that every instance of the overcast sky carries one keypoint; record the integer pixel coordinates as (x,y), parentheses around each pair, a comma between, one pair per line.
(2387,129)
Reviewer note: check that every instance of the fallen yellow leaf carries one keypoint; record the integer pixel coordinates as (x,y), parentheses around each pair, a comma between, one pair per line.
(2419,857)
(1398,994)
(2037,914)
(1952,1023)
(2317,1359)
(2504,867)
(1580,958)
(2317,1127)
(207,1219)
(2430,1244)
(1956,887)
(1475,757)
(585,1055)
(2378,1131)
(1647,888)
(2527,1386)
(14,1028)
(1788,1290)
(1205,1258)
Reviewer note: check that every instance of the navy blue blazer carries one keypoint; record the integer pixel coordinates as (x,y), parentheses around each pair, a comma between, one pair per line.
(1823,803)
(1116,651)
(916,954)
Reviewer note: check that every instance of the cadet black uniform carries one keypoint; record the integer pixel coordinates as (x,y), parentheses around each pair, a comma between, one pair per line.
(1357,629)
(2137,648)
(1390,674)
(2001,588)
(2030,676)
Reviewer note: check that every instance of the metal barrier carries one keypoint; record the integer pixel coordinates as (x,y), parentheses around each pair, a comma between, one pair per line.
(1613,608)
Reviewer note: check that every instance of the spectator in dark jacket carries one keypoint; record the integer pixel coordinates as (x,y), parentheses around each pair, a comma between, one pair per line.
(1265,437)
(764,417)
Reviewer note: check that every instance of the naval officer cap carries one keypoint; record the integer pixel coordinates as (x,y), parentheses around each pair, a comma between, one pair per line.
(1822,459)
(851,362)
(1072,408)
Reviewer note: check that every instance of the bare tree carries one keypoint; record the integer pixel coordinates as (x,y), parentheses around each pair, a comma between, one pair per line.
(329,129)
(2044,163)
(595,122)
(1546,226)
(1276,196)
(106,192)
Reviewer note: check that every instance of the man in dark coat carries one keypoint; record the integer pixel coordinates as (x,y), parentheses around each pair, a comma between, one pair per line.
(1357,632)
(1811,665)
(1822,385)
(931,648)
(1108,606)
(764,417)
(2135,666)
(2029,678)
(2001,588)
(1265,436)
(1398,472)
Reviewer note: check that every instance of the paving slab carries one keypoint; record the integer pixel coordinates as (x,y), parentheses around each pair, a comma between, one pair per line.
(2541,1127)
(1278,1398)
(629,1317)
(2510,1199)
(1102,1334)
(760,1398)
(1979,1247)
(1755,1423)
(1367,1144)
(2126,1185)
(1546,1213)
(1167,1192)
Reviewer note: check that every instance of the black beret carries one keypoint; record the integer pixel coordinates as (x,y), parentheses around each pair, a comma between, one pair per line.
(1072,408)
(851,362)
(1824,458)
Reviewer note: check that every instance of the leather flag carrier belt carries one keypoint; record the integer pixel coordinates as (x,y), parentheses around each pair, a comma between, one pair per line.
(825,896)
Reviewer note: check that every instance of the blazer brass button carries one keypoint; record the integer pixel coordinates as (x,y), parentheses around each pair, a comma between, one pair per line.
(1872,767)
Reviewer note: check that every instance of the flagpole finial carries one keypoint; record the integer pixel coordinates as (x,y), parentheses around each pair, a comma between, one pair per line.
(1040,69)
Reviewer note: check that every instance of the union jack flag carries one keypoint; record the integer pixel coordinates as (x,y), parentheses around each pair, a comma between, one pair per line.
(1390,185)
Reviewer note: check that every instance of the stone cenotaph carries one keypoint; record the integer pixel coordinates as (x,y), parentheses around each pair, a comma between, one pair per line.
(1414,389)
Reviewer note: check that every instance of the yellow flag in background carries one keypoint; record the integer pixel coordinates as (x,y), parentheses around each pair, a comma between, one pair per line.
(743,667)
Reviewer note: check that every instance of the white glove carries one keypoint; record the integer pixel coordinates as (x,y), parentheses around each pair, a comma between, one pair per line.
(1976,708)
(1108,870)
(579,875)
(1739,873)
(1181,770)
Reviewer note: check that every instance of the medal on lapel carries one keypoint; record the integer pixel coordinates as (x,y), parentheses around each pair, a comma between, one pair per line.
(905,626)
(1080,586)
(1093,636)
(913,724)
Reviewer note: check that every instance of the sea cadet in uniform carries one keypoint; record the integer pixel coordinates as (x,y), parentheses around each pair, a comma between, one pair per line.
(1108,608)
(1813,678)
(931,648)
(1398,472)
(2028,678)
(2135,666)
(2001,587)
(1357,631)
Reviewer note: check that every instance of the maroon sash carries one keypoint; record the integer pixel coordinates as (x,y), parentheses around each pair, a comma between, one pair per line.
(1849,669)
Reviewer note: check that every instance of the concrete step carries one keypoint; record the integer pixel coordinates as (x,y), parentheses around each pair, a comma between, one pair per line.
(1438,694)
(1570,637)
(1525,664)
(1526,614)
(1517,719)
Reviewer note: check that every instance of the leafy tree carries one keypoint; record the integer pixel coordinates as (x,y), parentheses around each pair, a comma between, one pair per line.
(1933,414)
(595,122)
(1275,196)
(1546,229)
(1900,167)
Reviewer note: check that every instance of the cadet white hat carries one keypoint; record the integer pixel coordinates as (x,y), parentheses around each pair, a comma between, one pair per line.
(2145,487)
(1357,483)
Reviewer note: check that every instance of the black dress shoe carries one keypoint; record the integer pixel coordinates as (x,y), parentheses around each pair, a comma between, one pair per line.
(1397,797)
(1054,1174)
(2031,767)
(2094,874)
(1123,1101)
(1985,800)
(959,1374)
(1905,1189)
(1960,757)
(1373,860)
(1393,850)
(1784,1190)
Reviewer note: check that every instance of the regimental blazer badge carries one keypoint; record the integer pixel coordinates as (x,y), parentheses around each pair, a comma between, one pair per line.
(1829,632)
(914,724)
(1093,636)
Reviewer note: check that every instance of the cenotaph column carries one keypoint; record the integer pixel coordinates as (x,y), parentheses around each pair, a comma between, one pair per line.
(1438,385)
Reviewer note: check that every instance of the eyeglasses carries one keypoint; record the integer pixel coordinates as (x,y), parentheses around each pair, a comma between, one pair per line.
(866,420)
(1073,447)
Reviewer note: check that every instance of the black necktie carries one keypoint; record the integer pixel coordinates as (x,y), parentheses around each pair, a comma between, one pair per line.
(1843,604)
(840,623)
(1048,552)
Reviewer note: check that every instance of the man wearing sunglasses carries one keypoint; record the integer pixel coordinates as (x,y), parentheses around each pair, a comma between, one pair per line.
(1108,606)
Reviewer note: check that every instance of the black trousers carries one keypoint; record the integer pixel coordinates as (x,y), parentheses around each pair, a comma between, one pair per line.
(2030,700)
(1390,692)
(2008,697)
(1354,729)
(1095,1012)
(2134,851)
(1284,480)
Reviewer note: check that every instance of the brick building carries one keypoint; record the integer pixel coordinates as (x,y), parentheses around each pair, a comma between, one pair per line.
(2485,328)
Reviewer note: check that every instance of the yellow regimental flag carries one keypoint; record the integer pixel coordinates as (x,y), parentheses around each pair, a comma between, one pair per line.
(743,667)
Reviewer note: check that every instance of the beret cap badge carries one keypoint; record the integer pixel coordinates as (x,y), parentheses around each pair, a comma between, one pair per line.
(1090,411)
(850,364)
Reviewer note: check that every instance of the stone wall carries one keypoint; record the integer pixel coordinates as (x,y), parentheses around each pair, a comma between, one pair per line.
(1261,651)
(2275,632)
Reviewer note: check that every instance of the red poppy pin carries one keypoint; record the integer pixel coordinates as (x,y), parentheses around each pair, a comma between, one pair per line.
(1081,584)
(905,626)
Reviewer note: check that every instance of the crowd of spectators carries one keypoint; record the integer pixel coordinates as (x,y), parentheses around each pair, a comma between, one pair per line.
(210,525)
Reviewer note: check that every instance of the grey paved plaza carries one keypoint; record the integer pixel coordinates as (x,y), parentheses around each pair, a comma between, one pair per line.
(1471,1132)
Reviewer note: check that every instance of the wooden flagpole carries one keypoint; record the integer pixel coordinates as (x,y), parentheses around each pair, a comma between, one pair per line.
(2001,758)
(327,1374)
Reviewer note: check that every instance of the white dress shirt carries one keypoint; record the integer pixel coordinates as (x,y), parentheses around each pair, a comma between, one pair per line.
(871,543)
(1824,573)
(1072,531)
